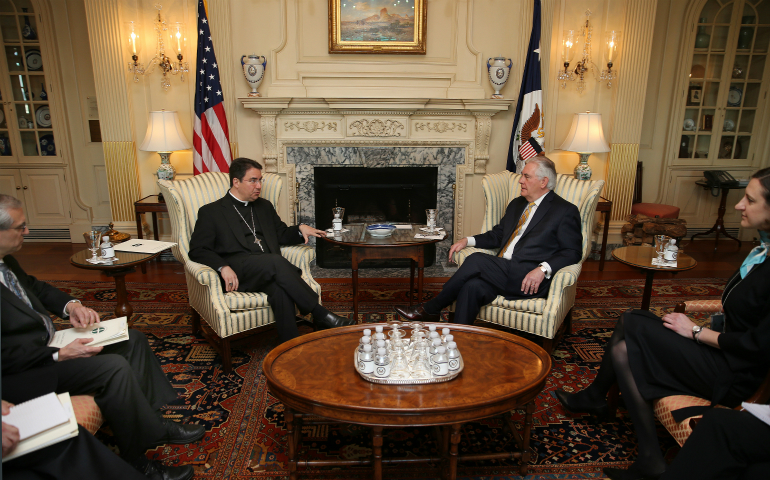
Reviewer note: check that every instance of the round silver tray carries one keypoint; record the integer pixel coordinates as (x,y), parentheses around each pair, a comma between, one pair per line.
(370,377)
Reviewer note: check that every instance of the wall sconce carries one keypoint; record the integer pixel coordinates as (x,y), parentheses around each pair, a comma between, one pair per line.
(164,135)
(584,64)
(585,137)
(174,34)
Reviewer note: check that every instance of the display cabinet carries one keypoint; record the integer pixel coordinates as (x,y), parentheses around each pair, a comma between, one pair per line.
(726,92)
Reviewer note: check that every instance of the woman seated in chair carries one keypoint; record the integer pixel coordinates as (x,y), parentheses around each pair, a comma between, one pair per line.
(651,357)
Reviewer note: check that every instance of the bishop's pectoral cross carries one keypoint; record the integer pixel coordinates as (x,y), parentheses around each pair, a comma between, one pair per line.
(258,242)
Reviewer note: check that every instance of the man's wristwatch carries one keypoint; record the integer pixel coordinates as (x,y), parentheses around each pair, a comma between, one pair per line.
(696,329)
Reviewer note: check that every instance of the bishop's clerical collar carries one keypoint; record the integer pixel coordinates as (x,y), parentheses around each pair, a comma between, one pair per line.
(238,200)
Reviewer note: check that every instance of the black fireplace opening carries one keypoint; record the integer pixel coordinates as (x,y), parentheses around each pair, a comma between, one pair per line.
(390,194)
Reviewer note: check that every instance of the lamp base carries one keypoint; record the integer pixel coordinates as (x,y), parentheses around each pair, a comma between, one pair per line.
(583,170)
(166,171)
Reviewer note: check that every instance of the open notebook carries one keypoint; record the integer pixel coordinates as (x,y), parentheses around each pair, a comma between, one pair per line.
(104,333)
(42,421)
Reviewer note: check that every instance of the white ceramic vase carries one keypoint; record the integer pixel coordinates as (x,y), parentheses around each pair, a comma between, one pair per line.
(254,71)
(498,73)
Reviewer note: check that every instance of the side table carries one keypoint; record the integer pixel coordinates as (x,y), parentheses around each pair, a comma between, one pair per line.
(719,225)
(605,206)
(149,204)
(118,271)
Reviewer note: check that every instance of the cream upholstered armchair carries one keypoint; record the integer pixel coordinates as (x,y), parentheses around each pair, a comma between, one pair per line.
(542,317)
(227,314)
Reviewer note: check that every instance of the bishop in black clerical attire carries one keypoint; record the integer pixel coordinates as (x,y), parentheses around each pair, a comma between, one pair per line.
(240,236)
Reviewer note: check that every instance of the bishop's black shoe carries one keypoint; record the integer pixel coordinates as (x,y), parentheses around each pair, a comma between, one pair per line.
(331,320)
(417,314)
(181,433)
(568,401)
(157,471)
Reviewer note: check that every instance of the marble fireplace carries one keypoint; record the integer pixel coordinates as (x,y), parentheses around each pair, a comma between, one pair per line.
(375,136)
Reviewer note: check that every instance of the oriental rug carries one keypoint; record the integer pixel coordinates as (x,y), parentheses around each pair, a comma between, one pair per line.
(246,437)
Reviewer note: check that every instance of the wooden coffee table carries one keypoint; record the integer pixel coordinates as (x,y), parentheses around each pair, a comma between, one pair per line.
(315,375)
(400,244)
(118,270)
(641,257)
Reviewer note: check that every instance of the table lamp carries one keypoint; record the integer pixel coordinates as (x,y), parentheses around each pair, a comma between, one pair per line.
(164,135)
(585,137)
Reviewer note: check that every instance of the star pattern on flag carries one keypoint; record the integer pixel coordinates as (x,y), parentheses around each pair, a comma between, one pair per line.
(211,146)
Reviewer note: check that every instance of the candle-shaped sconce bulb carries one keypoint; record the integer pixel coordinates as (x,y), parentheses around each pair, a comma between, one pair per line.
(133,42)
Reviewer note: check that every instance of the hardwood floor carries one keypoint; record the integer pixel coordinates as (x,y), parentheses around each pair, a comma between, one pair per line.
(50,261)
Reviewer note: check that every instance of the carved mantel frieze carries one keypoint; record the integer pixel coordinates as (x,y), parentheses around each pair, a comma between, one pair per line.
(367,122)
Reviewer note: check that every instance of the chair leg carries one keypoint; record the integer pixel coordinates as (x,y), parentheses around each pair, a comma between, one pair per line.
(612,400)
(227,360)
(196,321)
(548,345)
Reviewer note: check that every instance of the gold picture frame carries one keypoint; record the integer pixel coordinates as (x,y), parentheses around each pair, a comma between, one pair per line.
(381,27)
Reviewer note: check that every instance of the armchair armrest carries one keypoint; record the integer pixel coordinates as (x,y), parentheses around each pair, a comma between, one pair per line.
(299,255)
(702,306)
(467,251)
(205,275)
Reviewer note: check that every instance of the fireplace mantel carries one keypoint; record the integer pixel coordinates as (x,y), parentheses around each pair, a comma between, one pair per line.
(376,122)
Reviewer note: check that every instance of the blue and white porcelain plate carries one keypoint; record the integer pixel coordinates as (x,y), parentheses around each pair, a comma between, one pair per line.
(380,230)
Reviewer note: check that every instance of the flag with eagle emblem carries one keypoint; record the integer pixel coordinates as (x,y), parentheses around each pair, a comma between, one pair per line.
(528,135)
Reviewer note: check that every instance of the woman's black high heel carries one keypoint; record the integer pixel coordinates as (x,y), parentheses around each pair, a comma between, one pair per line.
(567,400)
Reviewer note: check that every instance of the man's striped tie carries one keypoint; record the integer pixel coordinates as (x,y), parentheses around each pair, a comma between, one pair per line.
(522,221)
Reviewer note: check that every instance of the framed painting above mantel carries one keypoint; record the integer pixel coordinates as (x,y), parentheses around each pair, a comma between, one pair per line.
(377,26)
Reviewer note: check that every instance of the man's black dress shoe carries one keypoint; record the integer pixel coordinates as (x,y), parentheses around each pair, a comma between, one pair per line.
(331,320)
(633,473)
(566,399)
(417,314)
(181,433)
(157,471)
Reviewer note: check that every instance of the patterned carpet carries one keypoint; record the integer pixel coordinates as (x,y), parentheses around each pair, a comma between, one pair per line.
(246,437)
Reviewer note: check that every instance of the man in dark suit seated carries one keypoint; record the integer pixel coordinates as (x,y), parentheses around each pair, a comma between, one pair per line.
(725,444)
(240,236)
(126,378)
(80,457)
(539,234)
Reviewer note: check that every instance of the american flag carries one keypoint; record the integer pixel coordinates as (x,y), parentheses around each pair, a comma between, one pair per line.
(528,120)
(211,139)
(529,149)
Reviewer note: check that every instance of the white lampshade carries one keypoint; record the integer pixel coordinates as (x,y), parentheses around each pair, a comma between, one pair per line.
(586,134)
(164,133)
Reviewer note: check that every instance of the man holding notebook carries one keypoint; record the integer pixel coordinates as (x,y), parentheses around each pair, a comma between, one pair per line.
(125,378)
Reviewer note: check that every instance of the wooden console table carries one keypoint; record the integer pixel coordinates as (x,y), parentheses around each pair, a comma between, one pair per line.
(149,204)
(605,206)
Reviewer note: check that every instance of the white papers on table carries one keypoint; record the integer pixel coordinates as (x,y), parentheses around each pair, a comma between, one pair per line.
(423,236)
(403,226)
(103,333)
(438,230)
(143,246)
(50,417)
(664,263)
(101,260)
(762,412)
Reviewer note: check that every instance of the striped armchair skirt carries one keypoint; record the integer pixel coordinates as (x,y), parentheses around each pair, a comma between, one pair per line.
(541,316)
(227,314)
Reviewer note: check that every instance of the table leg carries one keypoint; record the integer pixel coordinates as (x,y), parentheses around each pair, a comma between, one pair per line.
(140,234)
(411,282)
(454,441)
(377,444)
(525,453)
(354,261)
(155,226)
(122,307)
(603,251)
(719,225)
(647,290)
(293,434)
(420,273)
